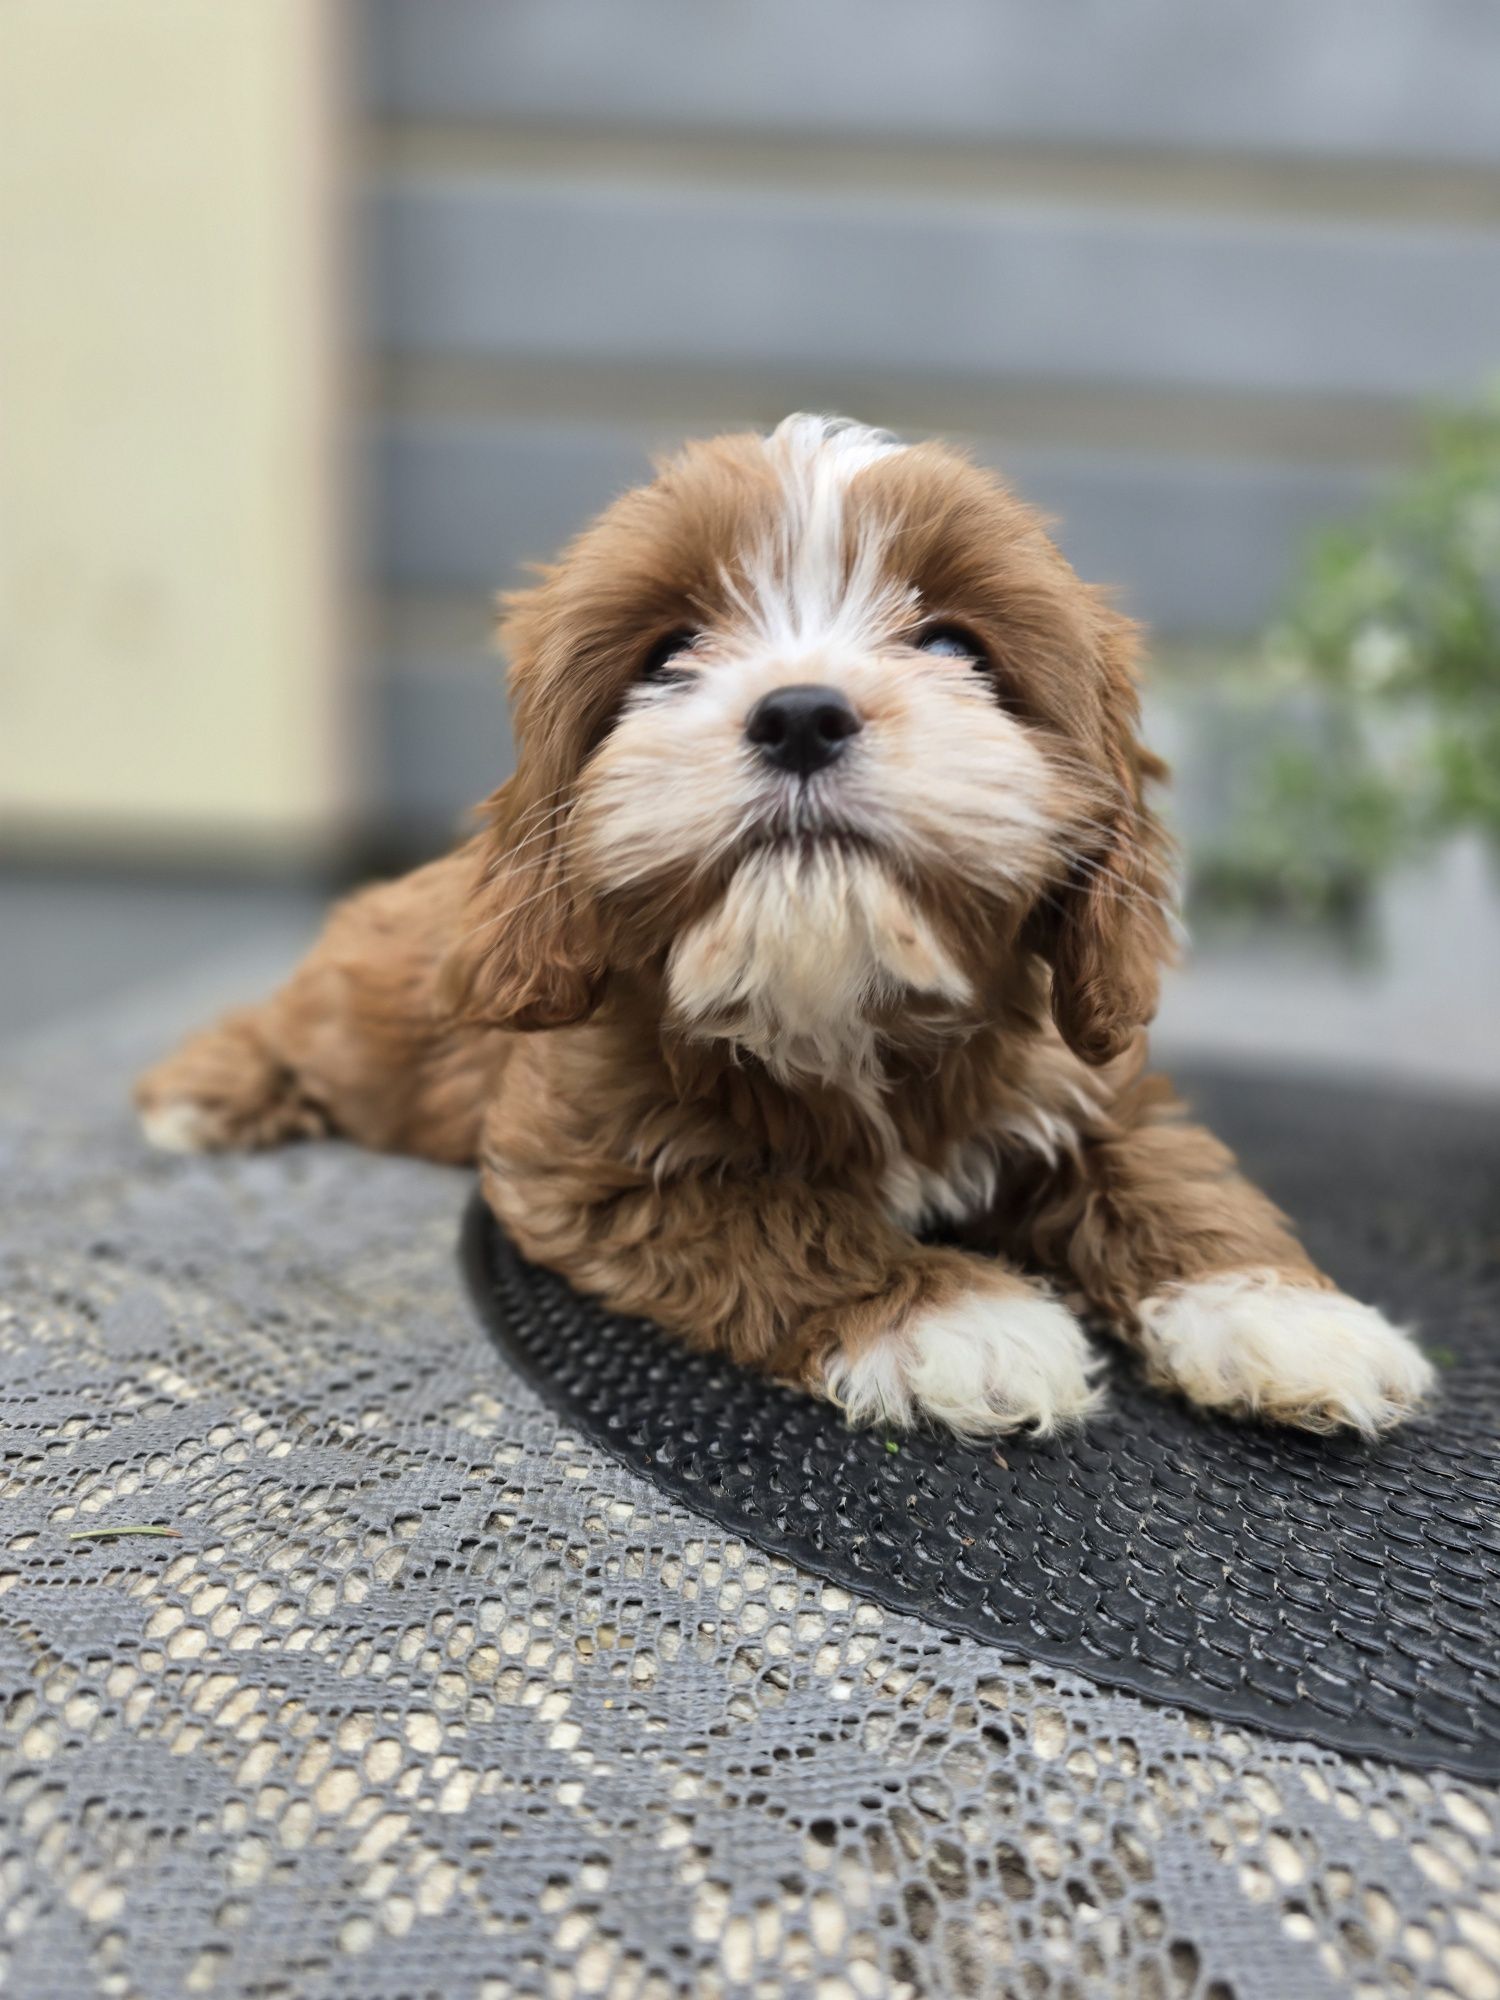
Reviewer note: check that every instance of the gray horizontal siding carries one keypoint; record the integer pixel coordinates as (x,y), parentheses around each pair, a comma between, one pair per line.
(1398,79)
(672,276)
(442,735)
(1192,545)
(463,506)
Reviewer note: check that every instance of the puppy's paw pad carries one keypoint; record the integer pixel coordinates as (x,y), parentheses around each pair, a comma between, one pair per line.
(980,1364)
(1252,1343)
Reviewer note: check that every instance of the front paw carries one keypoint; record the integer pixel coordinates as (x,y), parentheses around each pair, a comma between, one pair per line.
(980,1362)
(1252,1343)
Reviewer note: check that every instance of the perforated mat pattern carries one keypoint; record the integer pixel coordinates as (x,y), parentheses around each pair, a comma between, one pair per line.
(433,1698)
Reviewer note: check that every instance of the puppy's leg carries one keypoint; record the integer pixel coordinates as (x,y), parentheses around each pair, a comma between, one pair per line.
(1161,1233)
(802,1283)
(357,1042)
(226,1087)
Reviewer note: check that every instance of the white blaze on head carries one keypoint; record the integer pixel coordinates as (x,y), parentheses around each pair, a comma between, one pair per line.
(806,589)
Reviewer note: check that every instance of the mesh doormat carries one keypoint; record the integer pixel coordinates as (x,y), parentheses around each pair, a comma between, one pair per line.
(1344,1593)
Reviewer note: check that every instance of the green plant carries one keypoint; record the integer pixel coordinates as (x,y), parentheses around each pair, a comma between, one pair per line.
(1384,683)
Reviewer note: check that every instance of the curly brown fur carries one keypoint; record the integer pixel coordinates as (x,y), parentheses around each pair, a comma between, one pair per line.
(729,1035)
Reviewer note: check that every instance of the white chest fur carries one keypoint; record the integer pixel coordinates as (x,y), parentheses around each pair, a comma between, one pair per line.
(917,1195)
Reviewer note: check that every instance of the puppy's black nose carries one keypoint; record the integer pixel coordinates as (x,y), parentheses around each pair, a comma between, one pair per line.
(801,728)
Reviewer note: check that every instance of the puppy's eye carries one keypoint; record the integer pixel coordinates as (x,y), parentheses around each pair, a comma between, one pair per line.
(952,642)
(957,642)
(667,661)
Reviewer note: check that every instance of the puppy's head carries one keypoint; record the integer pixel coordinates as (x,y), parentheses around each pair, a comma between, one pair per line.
(821,734)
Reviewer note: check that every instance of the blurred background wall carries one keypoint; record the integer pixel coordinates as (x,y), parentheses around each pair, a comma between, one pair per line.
(1188,274)
(170,587)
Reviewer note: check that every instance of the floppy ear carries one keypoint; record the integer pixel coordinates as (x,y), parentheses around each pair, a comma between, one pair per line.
(523,957)
(1110,942)
(526,954)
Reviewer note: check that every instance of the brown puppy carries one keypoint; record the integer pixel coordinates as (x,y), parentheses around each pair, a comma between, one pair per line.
(826,905)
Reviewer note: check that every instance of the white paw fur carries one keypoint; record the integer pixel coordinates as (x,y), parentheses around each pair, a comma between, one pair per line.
(178,1126)
(985,1362)
(1251,1342)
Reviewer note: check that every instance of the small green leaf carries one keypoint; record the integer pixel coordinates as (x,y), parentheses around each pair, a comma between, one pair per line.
(891,1445)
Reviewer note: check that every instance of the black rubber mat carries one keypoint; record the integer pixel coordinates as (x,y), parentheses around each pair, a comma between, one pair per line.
(1327,1589)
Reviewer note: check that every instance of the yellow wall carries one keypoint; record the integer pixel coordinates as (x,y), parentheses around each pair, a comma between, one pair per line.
(169,633)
